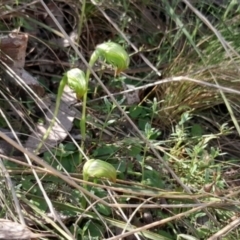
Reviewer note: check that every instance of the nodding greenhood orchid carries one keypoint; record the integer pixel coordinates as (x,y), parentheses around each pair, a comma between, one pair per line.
(113,54)
(96,168)
(76,80)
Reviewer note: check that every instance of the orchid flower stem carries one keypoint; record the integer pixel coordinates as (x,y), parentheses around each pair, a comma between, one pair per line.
(92,60)
(82,16)
(62,84)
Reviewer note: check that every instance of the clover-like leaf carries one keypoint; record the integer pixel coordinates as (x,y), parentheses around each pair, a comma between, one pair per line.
(115,55)
(99,169)
(77,81)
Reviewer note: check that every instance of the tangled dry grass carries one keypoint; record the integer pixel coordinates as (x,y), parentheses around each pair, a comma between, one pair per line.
(185,55)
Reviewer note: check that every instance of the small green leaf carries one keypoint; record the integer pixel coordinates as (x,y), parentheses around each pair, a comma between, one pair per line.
(136,111)
(105,150)
(103,209)
(186,236)
(93,231)
(196,130)
(77,81)
(99,169)
(114,54)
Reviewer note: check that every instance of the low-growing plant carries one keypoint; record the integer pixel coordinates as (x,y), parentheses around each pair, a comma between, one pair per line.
(78,81)
(192,155)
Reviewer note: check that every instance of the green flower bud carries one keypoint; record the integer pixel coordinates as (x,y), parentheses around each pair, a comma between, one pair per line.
(99,169)
(115,55)
(77,81)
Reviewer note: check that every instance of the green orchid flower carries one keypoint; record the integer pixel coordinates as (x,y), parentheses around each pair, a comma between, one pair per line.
(76,80)
(114,54)
(99,169)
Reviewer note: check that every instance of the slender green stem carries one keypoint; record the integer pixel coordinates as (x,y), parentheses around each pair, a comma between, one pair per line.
(83,200)
(93,59)
(105,124)
(83,118)
(82,15)
(62,84)
(143,162)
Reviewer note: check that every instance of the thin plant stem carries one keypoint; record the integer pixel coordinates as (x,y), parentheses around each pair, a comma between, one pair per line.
(62,84)
(92,60)
(154,108)
(143,162)
(81,19)
(105,123)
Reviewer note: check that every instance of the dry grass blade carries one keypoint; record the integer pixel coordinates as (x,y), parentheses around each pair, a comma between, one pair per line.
(175,79)
(14,196)
(48,201)
(231,226)
(158,223)
(50,168)
(221,39)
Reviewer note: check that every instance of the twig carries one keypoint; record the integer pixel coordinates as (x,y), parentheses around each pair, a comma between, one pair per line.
(169,80)
(161,222)
(231,226)
(11,187)
(48,201)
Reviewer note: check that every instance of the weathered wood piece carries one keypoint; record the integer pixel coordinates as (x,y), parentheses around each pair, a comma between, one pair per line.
(13,49)
(12,230)
(12,53)
(59,132)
